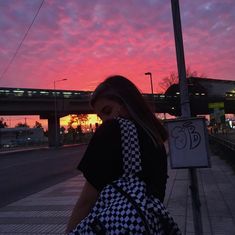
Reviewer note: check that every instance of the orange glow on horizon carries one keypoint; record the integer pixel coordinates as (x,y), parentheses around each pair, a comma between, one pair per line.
(92,119)
(12,121)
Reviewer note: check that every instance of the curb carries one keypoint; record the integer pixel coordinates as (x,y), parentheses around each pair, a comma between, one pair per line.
(38,148)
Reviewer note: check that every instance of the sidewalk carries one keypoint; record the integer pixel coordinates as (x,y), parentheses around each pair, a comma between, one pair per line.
(47,212)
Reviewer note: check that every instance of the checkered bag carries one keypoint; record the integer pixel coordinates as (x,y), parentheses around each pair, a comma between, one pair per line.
(123,206)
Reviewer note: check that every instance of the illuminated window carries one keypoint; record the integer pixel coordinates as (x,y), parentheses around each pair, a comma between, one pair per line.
(44,93)
(67,94)
(18,92)
(29,93)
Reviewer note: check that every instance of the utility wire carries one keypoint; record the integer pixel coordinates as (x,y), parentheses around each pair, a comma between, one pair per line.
(18,48)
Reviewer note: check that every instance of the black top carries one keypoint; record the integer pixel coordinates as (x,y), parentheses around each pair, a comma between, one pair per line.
(102,161)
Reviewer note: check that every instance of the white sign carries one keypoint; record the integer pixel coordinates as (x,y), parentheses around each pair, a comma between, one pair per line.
(188,143)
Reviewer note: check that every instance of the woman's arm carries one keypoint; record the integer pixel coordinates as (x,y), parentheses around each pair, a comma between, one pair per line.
(83,206)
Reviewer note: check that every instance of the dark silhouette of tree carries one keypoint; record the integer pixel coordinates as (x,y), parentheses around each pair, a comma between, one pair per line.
(62,130)
(169,80)
(72,133)
(20,124)
(37,125)
(46,133)
(2,123)
(173,78)
(79,119)
(79,129)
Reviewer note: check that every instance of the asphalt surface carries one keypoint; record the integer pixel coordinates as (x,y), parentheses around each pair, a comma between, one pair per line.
(47,212)
(27,172)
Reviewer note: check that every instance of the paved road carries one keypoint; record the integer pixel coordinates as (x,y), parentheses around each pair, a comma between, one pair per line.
(24,173)
(47,212)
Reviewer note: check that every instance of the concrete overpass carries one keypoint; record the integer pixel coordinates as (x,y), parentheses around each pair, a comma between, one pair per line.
(43,102)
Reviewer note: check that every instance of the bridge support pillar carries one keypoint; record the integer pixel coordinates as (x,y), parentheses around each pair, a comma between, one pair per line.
(53,132)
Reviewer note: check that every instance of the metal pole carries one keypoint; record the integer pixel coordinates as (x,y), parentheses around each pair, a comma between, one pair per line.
(56,118)
(185,110)
(151,84)
(184,97)
(56,132)
(151,80)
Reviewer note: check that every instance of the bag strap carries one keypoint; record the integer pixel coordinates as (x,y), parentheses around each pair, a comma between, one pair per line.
(130,147)
(134,204)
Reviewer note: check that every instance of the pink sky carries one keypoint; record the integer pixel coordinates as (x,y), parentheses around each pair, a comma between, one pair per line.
(86,41)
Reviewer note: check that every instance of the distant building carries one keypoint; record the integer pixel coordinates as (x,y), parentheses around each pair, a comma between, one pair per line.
(213,87)
(10,137)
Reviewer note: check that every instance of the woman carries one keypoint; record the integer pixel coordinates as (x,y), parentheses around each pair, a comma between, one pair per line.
(102,164)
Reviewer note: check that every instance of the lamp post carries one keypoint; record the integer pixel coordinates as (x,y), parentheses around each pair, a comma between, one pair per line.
(151,83)
(56,131)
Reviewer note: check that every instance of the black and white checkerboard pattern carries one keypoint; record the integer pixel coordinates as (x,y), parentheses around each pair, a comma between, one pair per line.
(113,212)
(130,147)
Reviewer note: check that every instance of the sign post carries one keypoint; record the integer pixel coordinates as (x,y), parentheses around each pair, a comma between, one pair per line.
(188,140)
(185,111)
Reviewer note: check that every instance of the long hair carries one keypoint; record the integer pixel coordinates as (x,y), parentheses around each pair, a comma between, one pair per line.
(122,90)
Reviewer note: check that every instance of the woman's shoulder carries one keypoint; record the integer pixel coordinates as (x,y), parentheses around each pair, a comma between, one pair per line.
(110,123)
(109,126)
(112,126)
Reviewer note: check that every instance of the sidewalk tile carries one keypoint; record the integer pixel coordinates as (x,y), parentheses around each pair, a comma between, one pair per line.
(48,211)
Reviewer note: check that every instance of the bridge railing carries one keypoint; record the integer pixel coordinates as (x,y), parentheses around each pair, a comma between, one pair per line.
(38,93)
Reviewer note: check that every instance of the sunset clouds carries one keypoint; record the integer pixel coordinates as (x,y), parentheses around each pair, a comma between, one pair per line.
(85,41)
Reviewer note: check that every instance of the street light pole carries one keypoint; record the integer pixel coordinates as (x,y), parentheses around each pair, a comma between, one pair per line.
(151,83)
(56,123)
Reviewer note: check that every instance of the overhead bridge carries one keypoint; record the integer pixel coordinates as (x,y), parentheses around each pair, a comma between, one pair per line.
(54,104)
(25,101)
(51,104)
(22,101)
